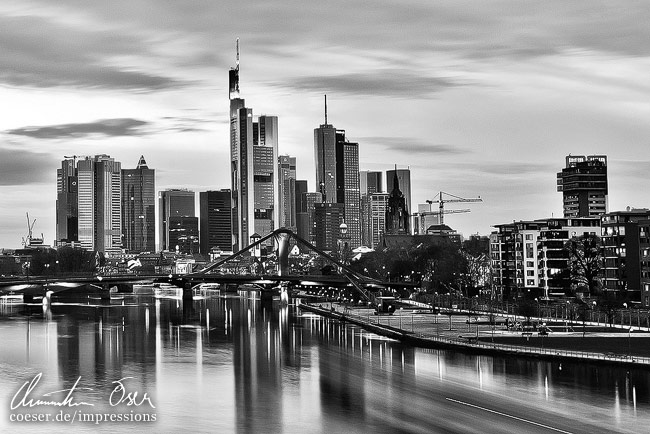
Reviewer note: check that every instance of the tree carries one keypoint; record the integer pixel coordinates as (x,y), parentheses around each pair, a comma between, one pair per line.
(585,262)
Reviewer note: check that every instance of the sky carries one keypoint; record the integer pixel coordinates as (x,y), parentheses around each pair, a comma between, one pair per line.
(477,98)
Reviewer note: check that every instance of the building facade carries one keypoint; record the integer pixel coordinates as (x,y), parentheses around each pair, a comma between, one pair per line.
(374,207)
(328,219)
(583,183)
(347,187)
(139,208)
(625,239)
(67,225)
(99,204)
(253,167)
(287,192)
(174,203)
(404,179)
(215,221)
(531,256)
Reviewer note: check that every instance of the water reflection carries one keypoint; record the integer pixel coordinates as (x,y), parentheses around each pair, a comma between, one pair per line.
(224,364)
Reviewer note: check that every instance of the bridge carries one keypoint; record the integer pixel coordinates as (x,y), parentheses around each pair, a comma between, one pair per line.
(280,281)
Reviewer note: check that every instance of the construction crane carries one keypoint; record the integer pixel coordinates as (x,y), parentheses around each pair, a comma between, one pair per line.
(442,201)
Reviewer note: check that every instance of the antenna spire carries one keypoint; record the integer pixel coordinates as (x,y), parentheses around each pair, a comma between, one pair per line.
(237,54)
(325,109)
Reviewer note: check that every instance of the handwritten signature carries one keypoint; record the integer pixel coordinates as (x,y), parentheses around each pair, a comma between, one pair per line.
(22,398)
(119,395)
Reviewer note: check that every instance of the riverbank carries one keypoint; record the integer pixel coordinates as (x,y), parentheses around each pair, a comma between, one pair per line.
(454,331)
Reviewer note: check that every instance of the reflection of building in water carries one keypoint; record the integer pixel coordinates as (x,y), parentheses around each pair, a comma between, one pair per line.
(258,336)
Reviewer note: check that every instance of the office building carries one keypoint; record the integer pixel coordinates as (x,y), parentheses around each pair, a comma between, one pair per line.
(310,199)
(215,221)
(253,166)
(287,188)
(583,183)
(183,234)
(67,226)
(337,174)
(347,186)
(300,205)
(328,218)
(325,156)
(374,207)
(403,177)
(99,204)
(370,182)
(174,203)
(138,208)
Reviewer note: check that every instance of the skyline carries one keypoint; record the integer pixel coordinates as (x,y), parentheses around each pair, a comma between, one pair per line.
(482,99)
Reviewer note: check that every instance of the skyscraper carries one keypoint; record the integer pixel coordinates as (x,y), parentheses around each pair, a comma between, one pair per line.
(287,188)
(404,179)
(325,156)
(311,199)
(328,218)
(583,183)
(67,226)
(173,204)
(370,182)
(99,204)
(337,174)
(138,208)
(215,220)
(302,228)
(347,186)
(253,165)
(374,208)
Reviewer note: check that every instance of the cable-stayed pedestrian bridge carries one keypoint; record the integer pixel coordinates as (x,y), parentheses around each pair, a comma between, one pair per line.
(338,277)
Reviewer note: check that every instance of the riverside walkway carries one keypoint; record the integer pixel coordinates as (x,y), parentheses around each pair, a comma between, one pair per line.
(471,332)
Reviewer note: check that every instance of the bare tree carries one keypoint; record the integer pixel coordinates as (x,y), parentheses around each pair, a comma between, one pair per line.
(585,262)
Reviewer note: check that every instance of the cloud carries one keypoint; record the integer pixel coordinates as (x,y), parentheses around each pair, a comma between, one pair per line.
(106,127)
(42,53)
(20,167)
(412,145)
(388,82)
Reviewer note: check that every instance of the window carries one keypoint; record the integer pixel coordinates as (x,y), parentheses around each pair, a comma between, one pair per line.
(529,236)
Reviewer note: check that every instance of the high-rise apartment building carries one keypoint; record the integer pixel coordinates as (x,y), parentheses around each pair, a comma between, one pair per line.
(404,179)
(287,189)
(175,203)
(253,166)
(215,221)
(583,183)
(625,239)
(139,208)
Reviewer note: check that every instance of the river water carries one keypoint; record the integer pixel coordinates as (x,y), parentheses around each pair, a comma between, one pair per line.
(231,364)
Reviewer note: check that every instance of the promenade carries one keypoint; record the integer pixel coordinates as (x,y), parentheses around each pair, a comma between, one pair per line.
(472,332)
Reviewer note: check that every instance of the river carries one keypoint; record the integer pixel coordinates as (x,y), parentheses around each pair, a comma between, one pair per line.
(231,364)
